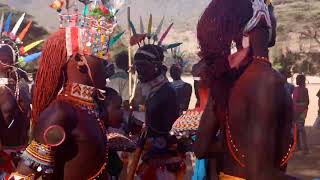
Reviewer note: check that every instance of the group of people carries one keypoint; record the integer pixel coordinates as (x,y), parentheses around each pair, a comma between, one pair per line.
(247,129)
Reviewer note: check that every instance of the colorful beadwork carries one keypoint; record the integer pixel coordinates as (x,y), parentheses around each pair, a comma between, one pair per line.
(262,59)
(78,95)
(187,122)
(39,157)
(90,32)
(118,141)
(18,176)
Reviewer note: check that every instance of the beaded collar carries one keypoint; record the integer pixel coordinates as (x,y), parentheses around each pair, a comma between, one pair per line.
(149,88)
(82,97)
(79,91)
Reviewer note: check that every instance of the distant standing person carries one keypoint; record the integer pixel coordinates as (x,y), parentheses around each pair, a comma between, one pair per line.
(317,122)
(301,103)
(289,87)
(318,95)
(119,81)
(183,90)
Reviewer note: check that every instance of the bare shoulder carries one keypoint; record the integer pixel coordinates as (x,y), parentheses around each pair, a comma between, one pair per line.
(57,113)
(263,74)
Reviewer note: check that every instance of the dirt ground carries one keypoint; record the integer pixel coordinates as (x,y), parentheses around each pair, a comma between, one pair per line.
(307,167)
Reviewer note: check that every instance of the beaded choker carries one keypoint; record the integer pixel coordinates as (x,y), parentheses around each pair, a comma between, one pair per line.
(82,97)
(79,91)
(262,59)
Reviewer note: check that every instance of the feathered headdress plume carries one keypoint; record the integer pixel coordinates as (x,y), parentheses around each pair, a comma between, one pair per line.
(11,39)
(137,38)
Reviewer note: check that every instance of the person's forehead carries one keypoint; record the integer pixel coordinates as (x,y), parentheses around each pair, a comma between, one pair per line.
(5,52)
(142,62)
(6,57)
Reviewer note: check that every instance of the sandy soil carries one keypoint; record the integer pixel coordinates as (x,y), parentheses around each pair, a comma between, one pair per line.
(307,167)
(313,87)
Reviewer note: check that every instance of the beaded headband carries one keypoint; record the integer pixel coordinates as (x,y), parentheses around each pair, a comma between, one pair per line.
(146,53)
(15,42)
(90,32)
(260,10)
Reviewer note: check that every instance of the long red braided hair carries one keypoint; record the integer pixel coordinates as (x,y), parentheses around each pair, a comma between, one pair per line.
(222,22)
(50,73)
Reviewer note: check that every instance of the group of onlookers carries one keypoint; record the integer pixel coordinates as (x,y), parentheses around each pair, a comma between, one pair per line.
(119,81)
(300,98)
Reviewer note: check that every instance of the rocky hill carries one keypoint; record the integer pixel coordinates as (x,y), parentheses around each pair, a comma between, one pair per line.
(293,17)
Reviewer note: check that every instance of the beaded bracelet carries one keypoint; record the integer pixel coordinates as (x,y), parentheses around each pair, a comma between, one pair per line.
(18,176)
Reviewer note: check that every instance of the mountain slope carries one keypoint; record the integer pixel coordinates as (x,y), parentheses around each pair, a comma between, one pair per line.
(293,17)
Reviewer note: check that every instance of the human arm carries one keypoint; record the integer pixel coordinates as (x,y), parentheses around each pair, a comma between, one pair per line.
(50,131)
(307,98)
(196,92)
(204,146)
(187,96)
(318,105)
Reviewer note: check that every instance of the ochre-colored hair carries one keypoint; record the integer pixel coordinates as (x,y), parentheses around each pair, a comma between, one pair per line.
(50,73)
(222,22)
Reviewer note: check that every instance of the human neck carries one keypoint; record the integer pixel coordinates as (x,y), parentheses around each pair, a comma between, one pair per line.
(80,80)
(261,53)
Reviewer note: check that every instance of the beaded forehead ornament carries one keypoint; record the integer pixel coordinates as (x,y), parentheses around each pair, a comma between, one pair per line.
(260,10)
(90,32)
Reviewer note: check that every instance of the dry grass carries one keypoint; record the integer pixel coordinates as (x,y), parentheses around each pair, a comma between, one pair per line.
(294,16)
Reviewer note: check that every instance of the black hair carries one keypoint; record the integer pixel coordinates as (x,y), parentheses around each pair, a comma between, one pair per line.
(110,94)
(155,50)
(122,60)
(301,80)
(175,72)
(8,51)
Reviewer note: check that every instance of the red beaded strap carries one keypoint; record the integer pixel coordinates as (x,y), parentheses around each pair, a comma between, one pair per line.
(234,150)
(262,58)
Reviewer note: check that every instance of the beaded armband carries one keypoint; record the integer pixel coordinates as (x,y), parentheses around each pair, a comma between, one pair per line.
(39,157)
(18,176)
